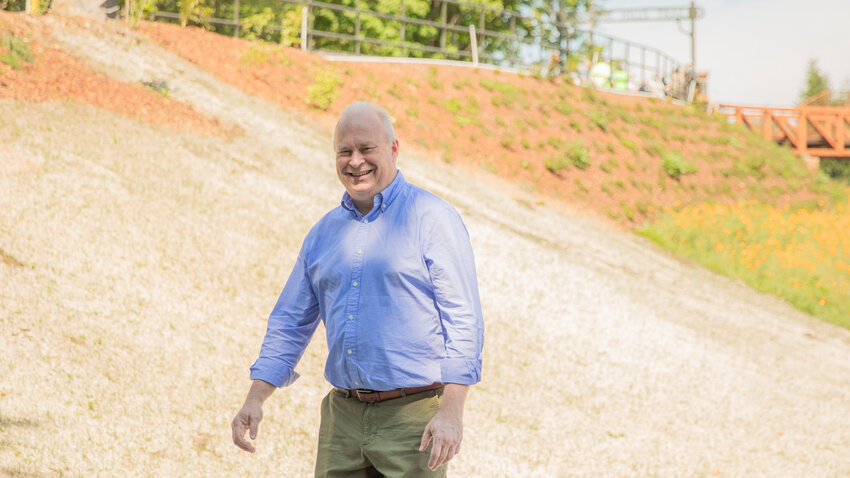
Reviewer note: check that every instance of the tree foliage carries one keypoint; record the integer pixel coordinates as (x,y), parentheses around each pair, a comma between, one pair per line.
(816,83)
(279,22)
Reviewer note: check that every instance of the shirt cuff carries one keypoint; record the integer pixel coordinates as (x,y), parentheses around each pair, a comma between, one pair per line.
(460,371)
(275,375)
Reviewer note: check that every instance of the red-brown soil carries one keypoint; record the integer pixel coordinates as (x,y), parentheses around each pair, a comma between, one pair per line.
(56,75)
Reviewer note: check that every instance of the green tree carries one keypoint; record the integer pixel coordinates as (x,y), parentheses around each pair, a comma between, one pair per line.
(816,83)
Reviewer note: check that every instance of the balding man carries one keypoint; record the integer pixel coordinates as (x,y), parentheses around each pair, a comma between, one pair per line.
(391,274)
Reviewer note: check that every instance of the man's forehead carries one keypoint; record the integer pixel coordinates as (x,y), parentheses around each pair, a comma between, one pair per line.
(359,130)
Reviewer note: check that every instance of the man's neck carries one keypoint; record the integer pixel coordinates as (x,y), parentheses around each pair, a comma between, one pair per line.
(364,207)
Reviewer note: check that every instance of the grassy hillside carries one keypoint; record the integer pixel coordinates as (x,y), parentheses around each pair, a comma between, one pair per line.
(139,259)
(635,161)
(620,157)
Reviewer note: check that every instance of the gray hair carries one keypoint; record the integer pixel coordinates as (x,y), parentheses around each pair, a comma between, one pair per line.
(367,106)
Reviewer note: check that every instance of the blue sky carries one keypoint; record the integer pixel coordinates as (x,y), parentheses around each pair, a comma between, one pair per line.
(756,51)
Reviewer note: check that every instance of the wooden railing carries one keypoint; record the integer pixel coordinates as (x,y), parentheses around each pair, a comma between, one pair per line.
(519,43)
(822,131)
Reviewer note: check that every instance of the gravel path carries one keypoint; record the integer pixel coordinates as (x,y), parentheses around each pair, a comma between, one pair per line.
(151,258)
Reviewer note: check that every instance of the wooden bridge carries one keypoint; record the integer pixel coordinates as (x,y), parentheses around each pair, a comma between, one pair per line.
(822,131)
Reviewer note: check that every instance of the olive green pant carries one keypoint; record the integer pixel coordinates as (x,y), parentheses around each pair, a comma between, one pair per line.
(358,439)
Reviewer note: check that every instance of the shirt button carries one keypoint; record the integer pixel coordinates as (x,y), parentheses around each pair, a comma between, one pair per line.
(383,206)
(356,383)
(360,251)
(350,352)
(365,221)
(350,317)
(354,284)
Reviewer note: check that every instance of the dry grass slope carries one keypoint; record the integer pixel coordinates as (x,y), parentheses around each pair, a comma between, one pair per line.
(139,264)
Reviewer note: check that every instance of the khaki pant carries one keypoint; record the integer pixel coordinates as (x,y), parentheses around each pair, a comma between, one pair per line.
(381,439)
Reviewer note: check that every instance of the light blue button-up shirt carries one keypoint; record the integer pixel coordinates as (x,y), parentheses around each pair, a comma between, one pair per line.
(397,292)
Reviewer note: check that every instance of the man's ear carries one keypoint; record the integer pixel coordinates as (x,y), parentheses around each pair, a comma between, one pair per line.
(395,150)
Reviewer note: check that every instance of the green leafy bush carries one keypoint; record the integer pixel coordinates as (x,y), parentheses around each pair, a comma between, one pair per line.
(675,165)
(599,119)
(16,51)
(324,91)
(579,155)
(556,163)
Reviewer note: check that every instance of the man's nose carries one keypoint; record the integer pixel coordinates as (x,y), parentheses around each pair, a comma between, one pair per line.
(356,159)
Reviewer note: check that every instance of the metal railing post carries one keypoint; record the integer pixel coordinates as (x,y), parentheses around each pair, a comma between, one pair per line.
(403,34)
(236,18)
(444,20)
(473,42)
(304,14)
(357,27)
(481,27)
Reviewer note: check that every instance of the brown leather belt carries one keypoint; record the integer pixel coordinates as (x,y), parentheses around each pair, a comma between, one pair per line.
(374,396)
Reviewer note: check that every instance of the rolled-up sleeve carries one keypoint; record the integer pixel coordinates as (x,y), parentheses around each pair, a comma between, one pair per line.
(448,255)
(291,326)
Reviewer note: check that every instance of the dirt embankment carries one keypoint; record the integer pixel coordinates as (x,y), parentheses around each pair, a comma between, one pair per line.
(139,264)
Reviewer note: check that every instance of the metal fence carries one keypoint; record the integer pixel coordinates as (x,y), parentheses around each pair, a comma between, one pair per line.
(521,41)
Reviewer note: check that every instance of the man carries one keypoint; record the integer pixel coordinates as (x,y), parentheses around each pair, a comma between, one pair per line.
(391,273)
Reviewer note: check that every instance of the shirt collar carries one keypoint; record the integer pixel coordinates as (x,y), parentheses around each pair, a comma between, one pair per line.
(383,199)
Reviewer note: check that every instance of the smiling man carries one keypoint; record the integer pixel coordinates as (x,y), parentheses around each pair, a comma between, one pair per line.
(391,273)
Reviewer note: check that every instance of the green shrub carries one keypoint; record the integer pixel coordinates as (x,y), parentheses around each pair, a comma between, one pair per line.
(452,105)
(582,186)
(563,108)
(628,212)
(630,145)
(575,124)
(578,155)
(651,122)
(599,119)
(17,51)
(556,163)
(836,168)
(324,91)
(675,165)
(432,79)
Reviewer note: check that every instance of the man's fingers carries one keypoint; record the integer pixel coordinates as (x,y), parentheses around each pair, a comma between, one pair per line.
(437,449)
(253,426)
(238,428)
(426,437)
(442,451)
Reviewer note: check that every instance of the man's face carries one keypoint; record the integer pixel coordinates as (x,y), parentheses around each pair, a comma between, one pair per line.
(365,158)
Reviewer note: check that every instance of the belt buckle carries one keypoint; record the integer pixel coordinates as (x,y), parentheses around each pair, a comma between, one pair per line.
(364,391)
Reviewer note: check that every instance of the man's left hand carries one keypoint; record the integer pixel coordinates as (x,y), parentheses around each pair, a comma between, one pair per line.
(446,427)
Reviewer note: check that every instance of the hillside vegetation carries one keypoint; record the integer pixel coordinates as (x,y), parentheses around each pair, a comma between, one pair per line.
(635,161)
(148,221)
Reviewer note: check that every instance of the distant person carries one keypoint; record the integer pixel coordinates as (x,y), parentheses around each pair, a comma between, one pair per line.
(601,74)
(691,82)
(390,273)
(678,84)
(621,79)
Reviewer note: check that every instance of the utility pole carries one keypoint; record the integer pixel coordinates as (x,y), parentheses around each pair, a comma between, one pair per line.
(650,14)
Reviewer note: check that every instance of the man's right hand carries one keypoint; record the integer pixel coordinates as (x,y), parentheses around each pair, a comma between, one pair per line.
(249,417)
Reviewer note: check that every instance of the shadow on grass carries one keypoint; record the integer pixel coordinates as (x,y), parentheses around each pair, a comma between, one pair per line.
(12,473)
(16,422)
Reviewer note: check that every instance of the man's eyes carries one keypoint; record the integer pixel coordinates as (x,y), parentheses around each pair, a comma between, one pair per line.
(347,152)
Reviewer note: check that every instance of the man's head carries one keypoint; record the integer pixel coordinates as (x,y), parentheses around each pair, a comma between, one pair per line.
(366,151)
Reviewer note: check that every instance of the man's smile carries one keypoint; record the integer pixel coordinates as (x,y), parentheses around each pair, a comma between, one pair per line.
(359,174)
